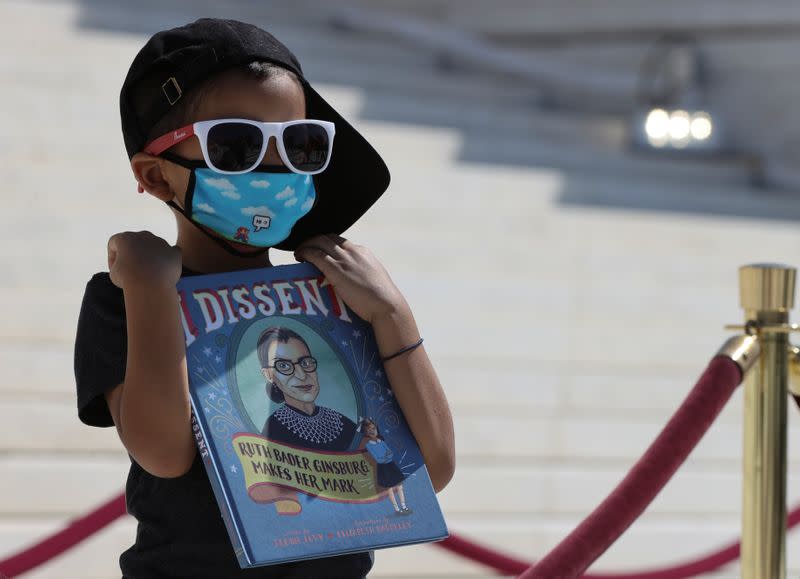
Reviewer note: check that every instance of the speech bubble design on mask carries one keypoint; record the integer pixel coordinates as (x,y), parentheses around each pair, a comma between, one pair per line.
(261,222)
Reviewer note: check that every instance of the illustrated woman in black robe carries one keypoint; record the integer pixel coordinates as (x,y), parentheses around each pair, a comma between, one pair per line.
(291,373)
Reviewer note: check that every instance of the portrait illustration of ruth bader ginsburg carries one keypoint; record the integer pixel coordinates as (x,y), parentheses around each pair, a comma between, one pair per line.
(290,370)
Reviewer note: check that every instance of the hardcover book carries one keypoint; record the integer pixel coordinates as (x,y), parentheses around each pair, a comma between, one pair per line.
(307,450)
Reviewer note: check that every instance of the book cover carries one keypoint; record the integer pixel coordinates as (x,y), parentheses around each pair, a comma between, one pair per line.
(307,451)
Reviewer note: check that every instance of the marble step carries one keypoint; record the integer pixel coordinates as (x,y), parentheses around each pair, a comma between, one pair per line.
(647,545)
(555,18)
(534,490)
(53,427)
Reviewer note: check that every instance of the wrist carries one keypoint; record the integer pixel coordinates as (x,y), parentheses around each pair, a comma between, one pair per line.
(147,288)
(394,313)
(403,350)
(149,282)
(395,329)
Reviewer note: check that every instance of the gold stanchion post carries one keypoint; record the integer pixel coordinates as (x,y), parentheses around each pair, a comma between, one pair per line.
(767,295)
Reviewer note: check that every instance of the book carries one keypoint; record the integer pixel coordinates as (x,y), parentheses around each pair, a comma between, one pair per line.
(307,450)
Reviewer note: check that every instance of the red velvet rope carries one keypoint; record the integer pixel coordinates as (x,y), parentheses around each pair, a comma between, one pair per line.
(75,532)
(649,475)
(105,514)
(508,565)
(579,550)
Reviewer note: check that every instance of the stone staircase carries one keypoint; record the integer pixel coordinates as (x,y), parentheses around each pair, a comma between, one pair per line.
(746,47)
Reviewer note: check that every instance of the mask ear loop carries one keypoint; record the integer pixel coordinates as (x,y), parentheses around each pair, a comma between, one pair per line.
(185,163)
(192,165)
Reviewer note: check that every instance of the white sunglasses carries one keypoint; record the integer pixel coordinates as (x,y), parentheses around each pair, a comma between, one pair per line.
(235,146)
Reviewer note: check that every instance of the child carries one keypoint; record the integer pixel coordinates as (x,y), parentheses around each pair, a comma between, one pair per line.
(390,476)
(200,107)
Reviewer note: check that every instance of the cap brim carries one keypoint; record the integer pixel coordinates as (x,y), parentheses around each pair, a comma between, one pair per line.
(354,180)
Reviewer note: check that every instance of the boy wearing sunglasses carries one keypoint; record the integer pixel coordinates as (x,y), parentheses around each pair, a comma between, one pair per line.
(220,124)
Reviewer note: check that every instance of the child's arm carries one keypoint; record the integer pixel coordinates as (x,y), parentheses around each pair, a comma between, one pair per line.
(151,408)
(367,289)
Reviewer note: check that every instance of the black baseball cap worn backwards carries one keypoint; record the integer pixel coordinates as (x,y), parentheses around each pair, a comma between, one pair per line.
(175,61)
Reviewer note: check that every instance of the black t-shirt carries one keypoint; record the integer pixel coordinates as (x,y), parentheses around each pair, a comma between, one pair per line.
(180,532)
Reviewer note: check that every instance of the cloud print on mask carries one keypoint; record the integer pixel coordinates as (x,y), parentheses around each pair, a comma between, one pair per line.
(262,210)
(285,194)
(268,204)
(220,183)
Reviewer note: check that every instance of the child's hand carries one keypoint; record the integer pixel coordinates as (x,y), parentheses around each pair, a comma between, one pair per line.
(143,258)
(356,275)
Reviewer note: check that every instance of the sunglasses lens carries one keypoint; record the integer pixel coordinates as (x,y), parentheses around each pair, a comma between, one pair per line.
(234,146)
(307,146)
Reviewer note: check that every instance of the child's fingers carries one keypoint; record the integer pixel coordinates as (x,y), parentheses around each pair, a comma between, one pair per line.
(338,240)
(330,244)
(303,252)
(322,260)
(112,249)
(112,258)
(113,252)
(341,246)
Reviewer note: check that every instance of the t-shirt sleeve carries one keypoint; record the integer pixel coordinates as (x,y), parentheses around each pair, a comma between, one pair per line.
(100,348)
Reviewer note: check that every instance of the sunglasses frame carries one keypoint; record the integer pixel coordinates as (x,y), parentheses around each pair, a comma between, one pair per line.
(200,129)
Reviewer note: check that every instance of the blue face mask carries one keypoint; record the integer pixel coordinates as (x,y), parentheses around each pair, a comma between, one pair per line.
(258,208)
